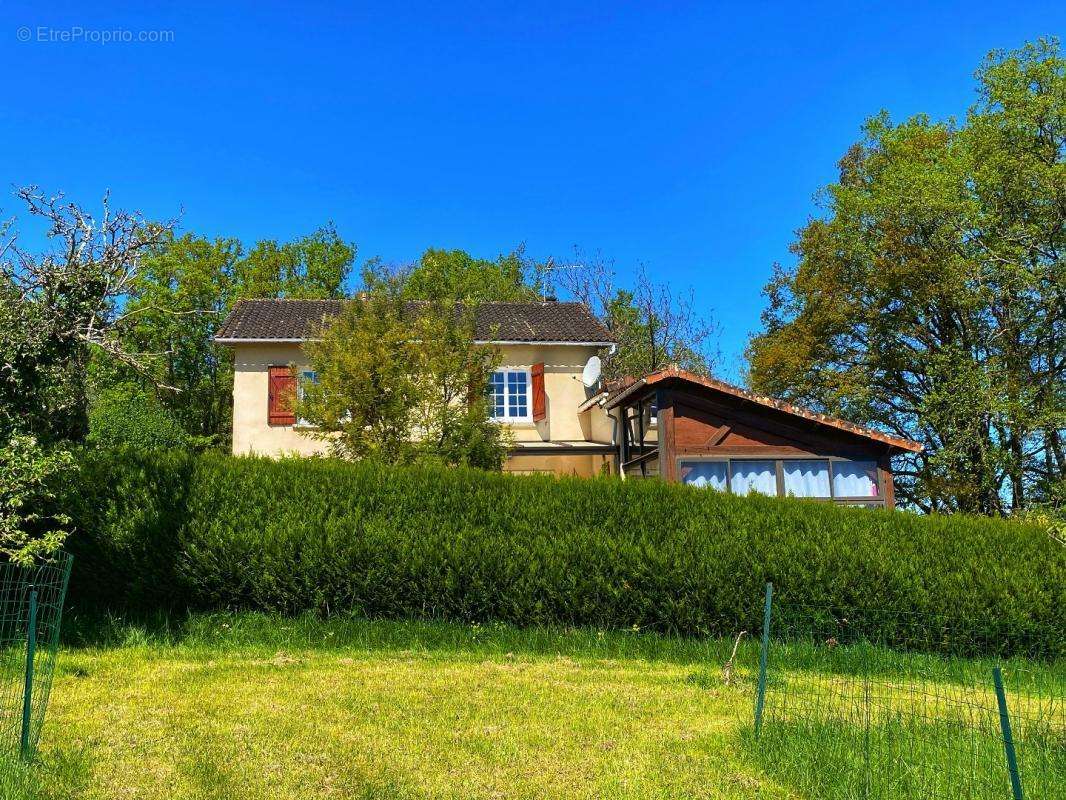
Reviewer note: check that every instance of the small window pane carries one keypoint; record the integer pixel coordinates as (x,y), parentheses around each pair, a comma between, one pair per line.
(806,478)
(705,474)
(496,395)
(855,479)
(517,403)
(754,476)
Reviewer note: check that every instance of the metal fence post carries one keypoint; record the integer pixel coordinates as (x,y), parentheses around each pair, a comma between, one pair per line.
(27,691)
(760,698)
(868,775)
(1008,737)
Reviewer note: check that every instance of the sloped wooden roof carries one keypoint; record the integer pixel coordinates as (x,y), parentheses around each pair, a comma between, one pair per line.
(620,395)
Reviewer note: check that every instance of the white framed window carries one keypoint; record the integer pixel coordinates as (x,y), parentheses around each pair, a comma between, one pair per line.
(509,395)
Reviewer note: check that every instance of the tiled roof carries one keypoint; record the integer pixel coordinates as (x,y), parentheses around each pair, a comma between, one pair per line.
(628,389)
(295,320)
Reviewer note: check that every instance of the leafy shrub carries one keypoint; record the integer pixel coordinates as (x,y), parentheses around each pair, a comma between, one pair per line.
(218,532)
(130,417)
(31,528)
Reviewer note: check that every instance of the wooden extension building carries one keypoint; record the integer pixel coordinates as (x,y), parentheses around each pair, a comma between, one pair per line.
(691,429)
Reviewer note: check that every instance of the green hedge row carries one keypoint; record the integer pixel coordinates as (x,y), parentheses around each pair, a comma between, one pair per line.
(211,531)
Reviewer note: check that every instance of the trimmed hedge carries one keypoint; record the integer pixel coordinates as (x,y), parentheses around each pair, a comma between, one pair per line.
(211,531)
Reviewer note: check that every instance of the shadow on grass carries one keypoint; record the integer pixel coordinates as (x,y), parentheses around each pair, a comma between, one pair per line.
(903,759)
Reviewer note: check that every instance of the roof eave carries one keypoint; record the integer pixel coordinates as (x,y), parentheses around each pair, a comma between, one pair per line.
(625,394)
(596,400)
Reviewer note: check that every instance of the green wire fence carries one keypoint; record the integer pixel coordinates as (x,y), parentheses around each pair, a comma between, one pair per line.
(31,608)
(875,705)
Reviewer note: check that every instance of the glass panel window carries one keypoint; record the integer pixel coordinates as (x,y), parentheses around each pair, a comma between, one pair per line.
(306,376)
(855,479)
(805,478)
(754,476)
(497,396)
(517,396)
(705,474)
(509,394)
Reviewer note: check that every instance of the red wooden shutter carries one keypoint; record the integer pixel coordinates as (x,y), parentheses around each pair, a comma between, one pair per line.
(539,405)
(281,396)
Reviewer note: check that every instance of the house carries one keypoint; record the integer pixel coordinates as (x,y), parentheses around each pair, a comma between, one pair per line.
(692,429)
(670,424)
(537,390)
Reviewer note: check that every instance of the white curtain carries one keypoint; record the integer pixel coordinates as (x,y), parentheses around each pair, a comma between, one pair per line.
(754,476)
(806,478)
(705,474)
(854,479)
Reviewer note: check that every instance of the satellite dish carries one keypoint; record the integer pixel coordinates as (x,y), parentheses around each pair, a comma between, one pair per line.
(590,375)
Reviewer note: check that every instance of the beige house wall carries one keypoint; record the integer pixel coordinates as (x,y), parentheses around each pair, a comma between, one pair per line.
(252,434)
(563,390)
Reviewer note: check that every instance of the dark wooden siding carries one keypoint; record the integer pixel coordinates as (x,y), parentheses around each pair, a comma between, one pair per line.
(691,424)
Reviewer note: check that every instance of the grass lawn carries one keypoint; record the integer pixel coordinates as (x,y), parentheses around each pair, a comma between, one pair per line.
(246,706)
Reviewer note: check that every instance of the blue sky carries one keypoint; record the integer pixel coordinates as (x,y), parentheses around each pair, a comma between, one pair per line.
(689,137)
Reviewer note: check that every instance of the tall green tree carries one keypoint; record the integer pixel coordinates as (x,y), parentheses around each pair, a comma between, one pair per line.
(59,309)
(403,382)
(186,287)
(930,297)
(314,267)
(458,275)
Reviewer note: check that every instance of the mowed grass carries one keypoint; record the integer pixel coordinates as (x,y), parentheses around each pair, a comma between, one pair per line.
(248,706)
